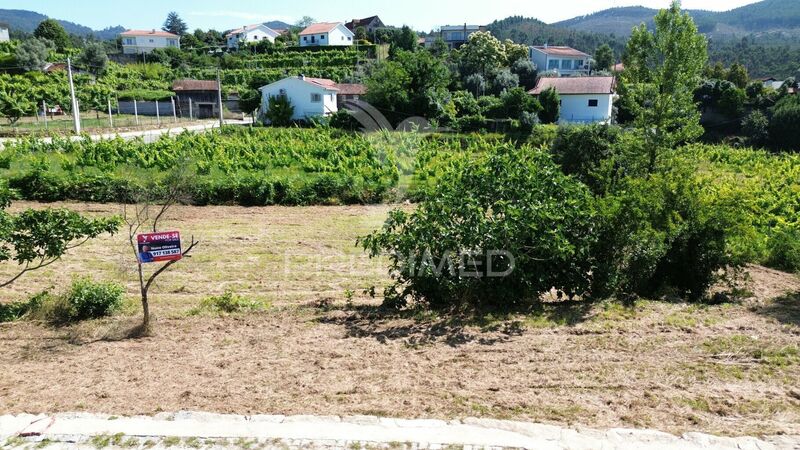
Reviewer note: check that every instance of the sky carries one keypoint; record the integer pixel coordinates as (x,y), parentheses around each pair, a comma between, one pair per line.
(423,15)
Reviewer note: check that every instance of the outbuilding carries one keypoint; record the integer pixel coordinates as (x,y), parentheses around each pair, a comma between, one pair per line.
(583,99)
(197,99)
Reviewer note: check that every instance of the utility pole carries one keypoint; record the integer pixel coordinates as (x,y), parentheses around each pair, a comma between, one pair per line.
(76,114)
(219,100)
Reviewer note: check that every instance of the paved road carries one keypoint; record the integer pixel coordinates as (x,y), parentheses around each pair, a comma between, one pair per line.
(149,135)
(196,430)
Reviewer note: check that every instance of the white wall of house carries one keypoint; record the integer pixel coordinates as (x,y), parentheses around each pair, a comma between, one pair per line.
(252,35)
(146,44)
(565,65)
(308,99)
(339,36)
(576,108)
(4,37)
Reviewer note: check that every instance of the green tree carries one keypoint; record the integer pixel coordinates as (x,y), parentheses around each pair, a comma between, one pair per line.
(174,24)
(514,52)
(16,99)
(525,69)
(783,125)
(738,75)
(662,69)
(34,239)
(304,22)
(756,127)
(604,57)
(51,30)
(482,53)
(94,58)
(551,106)
(361,33)
(32,54)
(280,111)
(406,40)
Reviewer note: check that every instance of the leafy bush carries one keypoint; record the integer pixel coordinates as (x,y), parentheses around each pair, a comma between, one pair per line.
(580,150)
(782,127)
(84,300)
(661,231)
(756,127)
(280,111)
(784,250)
(551,106)
(507,199)
(228,303)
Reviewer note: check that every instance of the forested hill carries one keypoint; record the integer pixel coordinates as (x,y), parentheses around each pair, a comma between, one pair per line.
(764,17)
(27,21)
(531,31)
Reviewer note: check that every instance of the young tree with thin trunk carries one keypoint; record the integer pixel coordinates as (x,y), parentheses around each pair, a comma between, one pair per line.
(662,69)
(145,217)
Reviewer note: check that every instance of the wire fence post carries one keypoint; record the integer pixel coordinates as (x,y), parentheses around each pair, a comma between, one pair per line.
(44,112)
(76,115)
(158,115)
(190,110)
(174,113)
(136,111)
(110,116)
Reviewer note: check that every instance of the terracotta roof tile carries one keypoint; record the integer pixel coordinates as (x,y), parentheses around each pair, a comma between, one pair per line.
(194,85)
(322,27)
(351,89)
(157,33)
(575,85)
(561,51)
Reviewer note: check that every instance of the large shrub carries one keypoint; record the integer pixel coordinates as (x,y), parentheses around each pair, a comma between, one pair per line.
(783,126)
(85,300)
(508,199)
(581,149)
(660,231)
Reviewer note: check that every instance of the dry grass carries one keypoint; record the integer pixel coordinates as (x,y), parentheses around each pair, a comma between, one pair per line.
(729,369)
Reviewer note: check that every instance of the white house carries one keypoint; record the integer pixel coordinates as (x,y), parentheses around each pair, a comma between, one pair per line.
(4,37)
(583,99)
(135,42)
(326,34)
(311,97)
(454,35)
(250,34)
(565,60)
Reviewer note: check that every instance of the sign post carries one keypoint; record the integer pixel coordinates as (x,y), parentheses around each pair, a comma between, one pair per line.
(159,247)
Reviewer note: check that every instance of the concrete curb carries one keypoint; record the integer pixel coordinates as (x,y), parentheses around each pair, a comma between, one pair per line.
(196,429)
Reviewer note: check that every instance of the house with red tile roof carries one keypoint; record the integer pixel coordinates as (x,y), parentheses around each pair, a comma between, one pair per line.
(326,34)
(135,42)
(583,99)
(566,61)
(311,97)
(251,34)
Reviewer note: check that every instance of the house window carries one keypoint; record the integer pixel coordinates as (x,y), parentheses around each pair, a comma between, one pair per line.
(282,93)
(566,64)
(316,98)
(349,38)
(151,41)
(579,64)
(552,64)
(305,38)
(321,37)
(129,41)
(593,103)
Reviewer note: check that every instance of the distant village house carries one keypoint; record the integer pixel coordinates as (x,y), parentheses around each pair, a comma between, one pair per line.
(326,34)
(583,99)
(454,35)
(4,36)
(311,97)
(250,34)
(566,61)
(370,24)
(135,42)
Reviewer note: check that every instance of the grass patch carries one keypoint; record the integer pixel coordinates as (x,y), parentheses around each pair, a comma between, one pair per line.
(228,303)
(742,347)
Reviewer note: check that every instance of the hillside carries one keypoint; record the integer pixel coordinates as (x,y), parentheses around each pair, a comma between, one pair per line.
(767,17)
(531,31)
(27,21)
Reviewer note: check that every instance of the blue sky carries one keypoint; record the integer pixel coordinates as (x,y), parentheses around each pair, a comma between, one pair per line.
(420,14)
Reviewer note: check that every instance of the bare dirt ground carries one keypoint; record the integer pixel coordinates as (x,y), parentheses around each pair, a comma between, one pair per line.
(730,369)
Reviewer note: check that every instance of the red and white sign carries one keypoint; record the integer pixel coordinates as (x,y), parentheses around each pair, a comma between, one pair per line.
(158,247)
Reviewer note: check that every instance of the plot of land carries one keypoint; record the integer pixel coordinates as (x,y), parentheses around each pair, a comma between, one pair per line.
(322,347)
